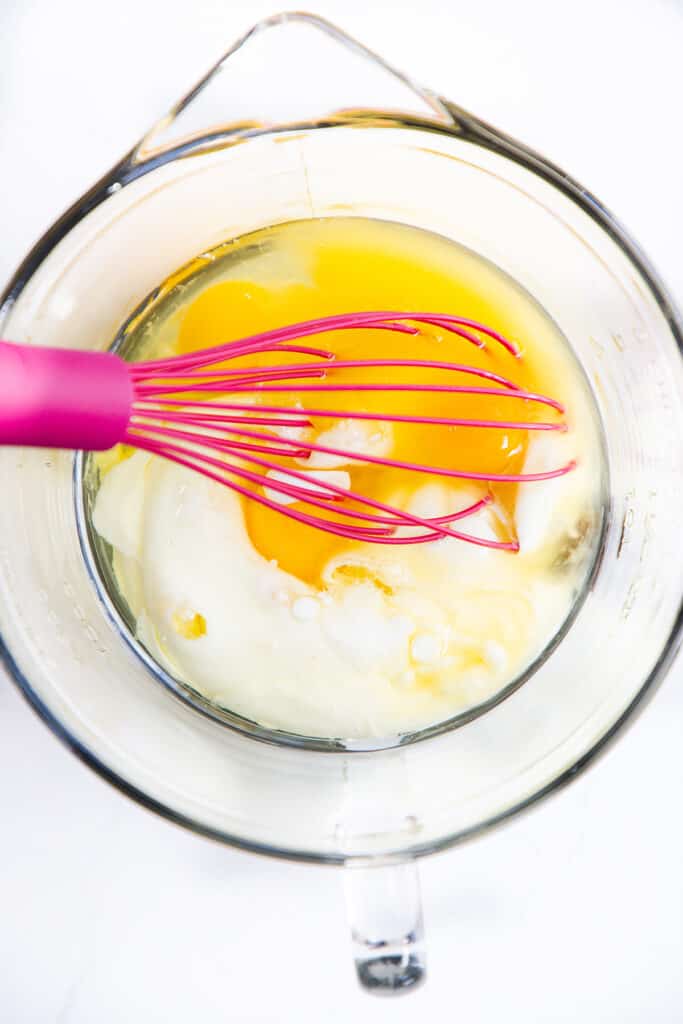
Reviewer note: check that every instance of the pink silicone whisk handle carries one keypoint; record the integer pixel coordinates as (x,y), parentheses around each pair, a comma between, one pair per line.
(62,398)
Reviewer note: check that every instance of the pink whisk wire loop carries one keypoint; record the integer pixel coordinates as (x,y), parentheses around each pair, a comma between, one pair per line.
(197,411)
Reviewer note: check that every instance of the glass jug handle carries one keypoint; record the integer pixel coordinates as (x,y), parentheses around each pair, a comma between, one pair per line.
(384,910)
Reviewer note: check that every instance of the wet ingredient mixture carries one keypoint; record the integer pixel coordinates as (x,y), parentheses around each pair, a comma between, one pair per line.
(319,635)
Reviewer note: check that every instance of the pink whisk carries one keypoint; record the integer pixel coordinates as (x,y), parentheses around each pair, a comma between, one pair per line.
(93,400)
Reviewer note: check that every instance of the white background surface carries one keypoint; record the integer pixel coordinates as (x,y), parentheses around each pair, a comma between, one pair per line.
(109,915)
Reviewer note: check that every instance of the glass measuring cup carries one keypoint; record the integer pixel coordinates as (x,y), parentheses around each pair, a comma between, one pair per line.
(238,154)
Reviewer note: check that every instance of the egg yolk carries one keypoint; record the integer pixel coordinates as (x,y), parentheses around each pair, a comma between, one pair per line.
(358,265)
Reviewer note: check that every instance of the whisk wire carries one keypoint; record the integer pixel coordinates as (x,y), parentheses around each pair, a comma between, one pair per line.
(235,443)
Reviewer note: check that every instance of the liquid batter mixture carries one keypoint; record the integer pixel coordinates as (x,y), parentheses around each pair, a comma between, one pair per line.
(316,634)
